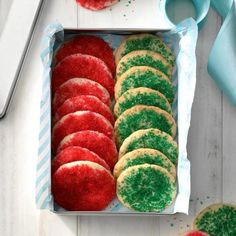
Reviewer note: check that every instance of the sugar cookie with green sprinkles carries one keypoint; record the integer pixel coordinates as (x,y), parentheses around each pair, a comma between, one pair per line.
(146,188)
(144,76)
(151,138)
(144,156)
(143,117)
(144,58)
(217,220)
(144,42)
(141,96)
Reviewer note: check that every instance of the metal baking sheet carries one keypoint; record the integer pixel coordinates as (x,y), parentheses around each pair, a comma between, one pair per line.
(106,34)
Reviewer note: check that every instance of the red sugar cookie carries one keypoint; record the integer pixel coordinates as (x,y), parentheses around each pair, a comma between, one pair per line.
(96,4)
(195,233)
(78,121)
(84,103)
(83,186)
(96,142)
(90,45)
(85,66)
(79,86)
(72,154)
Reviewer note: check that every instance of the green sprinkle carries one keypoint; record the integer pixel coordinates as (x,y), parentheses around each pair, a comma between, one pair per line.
(157,142)
(145,158)
(144,60)
(148,79)
(137,97)
(218,222)
(147,189)
(149,43)
(142,119)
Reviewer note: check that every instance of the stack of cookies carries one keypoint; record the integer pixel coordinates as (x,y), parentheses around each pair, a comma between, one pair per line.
(145,128)
(83,133)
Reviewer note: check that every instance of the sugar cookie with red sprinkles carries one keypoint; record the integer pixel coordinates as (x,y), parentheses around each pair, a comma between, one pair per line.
(90,45)
(195,233)
(84,103)
(72,154)
(96,142)
(78,121)
(79,86)
(83,66)
(95,5)
(83,186)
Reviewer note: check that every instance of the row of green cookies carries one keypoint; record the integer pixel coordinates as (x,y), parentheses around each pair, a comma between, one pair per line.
(145,128)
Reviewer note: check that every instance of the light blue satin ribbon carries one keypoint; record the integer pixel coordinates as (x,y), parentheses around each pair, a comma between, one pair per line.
(222,58)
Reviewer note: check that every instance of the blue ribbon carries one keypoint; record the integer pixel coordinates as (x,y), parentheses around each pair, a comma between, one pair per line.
(222,58)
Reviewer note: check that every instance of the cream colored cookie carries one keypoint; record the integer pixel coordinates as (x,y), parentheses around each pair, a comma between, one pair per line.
(141,96)
(144,58)
(151,138)
(144,76)
(143,117)
(146,188)
(144,156)
(217,219)
(144,42)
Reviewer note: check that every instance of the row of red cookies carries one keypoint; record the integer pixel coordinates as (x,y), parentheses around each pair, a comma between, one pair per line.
(83,133)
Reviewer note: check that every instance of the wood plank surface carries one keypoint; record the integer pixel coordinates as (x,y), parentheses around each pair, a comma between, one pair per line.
(19,143)
(211,146)
(205,137)
(229,152)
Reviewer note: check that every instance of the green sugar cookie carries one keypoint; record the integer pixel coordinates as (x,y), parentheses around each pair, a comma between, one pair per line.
(154,139)
(146,188)
(143,117)
(141,96)
(143,58)
(217,220)
(144,76)
(144,42)
(143,156)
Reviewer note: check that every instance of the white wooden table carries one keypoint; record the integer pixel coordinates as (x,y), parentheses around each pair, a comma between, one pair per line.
(211,146)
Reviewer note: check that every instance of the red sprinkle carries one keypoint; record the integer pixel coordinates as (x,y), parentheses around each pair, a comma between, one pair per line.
(77,86)
(84,103)
(96,4)
(72,154)
(83,66)
(90,45)
(95,142)
(81,186)
(78,121)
